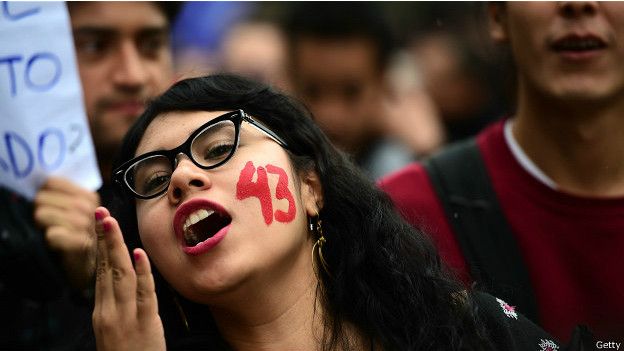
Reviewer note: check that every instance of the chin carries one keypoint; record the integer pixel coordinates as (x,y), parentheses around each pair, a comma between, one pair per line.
(206,288)
(582,91)
(578,95)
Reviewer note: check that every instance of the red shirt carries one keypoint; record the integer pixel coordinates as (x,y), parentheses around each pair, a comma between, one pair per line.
(573,246)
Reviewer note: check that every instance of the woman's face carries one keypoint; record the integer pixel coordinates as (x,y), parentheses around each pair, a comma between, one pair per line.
(239,225)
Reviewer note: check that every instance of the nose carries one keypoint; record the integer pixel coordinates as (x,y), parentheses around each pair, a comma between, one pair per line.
(331,113)
(186,179)
(129,72)
(571,9)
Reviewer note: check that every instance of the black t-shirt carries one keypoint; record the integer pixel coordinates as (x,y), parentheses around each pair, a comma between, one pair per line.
(509,330)
(506,328)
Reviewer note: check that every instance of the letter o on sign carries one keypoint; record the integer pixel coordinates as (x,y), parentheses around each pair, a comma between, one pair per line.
(39,75)
(57,150)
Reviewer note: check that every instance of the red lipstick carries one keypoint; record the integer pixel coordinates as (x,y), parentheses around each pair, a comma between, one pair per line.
(200,225)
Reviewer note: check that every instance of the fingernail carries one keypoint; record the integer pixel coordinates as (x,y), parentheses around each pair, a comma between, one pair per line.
(106,226)
(137,256)
(98,216)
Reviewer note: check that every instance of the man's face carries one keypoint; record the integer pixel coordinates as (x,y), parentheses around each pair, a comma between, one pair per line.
(124,59)
(342,84)
(572,51)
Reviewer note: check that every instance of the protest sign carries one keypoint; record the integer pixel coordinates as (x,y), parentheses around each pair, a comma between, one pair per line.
(43,126)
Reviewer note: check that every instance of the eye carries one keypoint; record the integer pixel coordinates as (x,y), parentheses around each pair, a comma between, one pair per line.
(214,144)
(312,92)
(155,182)
(92,48)
(217,152)
(352,92)
(152,45)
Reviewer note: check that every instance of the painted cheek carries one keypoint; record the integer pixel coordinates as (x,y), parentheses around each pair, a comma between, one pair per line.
(259,189)
(246,188)
(282,192)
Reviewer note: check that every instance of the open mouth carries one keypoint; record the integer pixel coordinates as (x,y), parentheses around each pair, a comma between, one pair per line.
(578,44)
(202,225)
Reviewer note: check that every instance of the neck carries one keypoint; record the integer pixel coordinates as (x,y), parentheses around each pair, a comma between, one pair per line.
(282,314)
(579,145)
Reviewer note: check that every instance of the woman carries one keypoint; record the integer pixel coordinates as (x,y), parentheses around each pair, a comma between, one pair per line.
(265,237)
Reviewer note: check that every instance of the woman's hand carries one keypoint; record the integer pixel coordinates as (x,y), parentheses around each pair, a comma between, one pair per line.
(126,310)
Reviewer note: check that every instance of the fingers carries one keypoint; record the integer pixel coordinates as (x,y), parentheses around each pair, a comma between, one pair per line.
(51,216)
(115,275)
(63,194)
(104,281)
(125,316)
(67,220)
(124,277)
(67,187)
(78,254)
(59,238)
(64,211)
(62,203)
(147,305)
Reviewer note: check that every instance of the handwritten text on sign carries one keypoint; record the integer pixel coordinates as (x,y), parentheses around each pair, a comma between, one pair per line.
(43,128)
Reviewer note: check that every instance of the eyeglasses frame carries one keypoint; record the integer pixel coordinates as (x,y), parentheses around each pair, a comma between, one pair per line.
(237,117)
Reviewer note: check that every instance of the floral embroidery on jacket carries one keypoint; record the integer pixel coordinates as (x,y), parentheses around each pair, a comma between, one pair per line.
(510,311)
(547,345)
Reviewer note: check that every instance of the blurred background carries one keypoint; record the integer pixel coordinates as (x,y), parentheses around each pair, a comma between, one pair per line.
(389,82)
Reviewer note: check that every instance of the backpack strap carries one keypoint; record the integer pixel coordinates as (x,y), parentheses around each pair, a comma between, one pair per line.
(487,242)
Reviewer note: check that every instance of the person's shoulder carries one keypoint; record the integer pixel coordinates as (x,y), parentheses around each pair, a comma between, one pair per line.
(508,329)
(411,175)
(410,189)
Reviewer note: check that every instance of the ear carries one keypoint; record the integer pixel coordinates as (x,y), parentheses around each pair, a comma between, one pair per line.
(497,22)
(311,193)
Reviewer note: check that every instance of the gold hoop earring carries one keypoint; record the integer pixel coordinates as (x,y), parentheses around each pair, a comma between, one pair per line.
(316,227)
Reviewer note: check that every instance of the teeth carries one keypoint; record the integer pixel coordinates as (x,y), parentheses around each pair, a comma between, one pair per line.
(189,236)
(196,217)
(583,44)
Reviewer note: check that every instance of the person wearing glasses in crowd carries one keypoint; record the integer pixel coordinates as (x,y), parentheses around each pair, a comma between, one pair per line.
(264,236)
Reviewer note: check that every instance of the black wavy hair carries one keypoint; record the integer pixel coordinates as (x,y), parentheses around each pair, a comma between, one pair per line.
(386,278)
(168,8)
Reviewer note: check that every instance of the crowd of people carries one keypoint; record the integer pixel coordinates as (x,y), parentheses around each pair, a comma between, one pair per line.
(322,190)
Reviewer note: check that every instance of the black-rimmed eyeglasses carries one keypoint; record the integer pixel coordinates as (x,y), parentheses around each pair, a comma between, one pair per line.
(210,146)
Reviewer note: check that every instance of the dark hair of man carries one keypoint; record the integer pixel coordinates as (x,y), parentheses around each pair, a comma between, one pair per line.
(340,21)
(386,278)
(168,8)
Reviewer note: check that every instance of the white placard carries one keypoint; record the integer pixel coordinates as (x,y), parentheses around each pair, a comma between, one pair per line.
(43,126)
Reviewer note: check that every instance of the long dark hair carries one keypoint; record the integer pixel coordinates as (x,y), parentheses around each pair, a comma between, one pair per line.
(386,278)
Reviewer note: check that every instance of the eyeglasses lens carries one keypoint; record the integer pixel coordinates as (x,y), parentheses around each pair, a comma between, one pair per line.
(210,148)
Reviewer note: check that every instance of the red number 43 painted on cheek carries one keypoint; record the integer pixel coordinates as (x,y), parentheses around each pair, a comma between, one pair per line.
(259,189)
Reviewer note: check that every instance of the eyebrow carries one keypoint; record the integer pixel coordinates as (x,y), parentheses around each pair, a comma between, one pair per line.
(217,126)
(105,31)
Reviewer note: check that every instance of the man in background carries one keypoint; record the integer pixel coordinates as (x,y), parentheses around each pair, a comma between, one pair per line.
(556,169)
(339,55)
(124,59)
